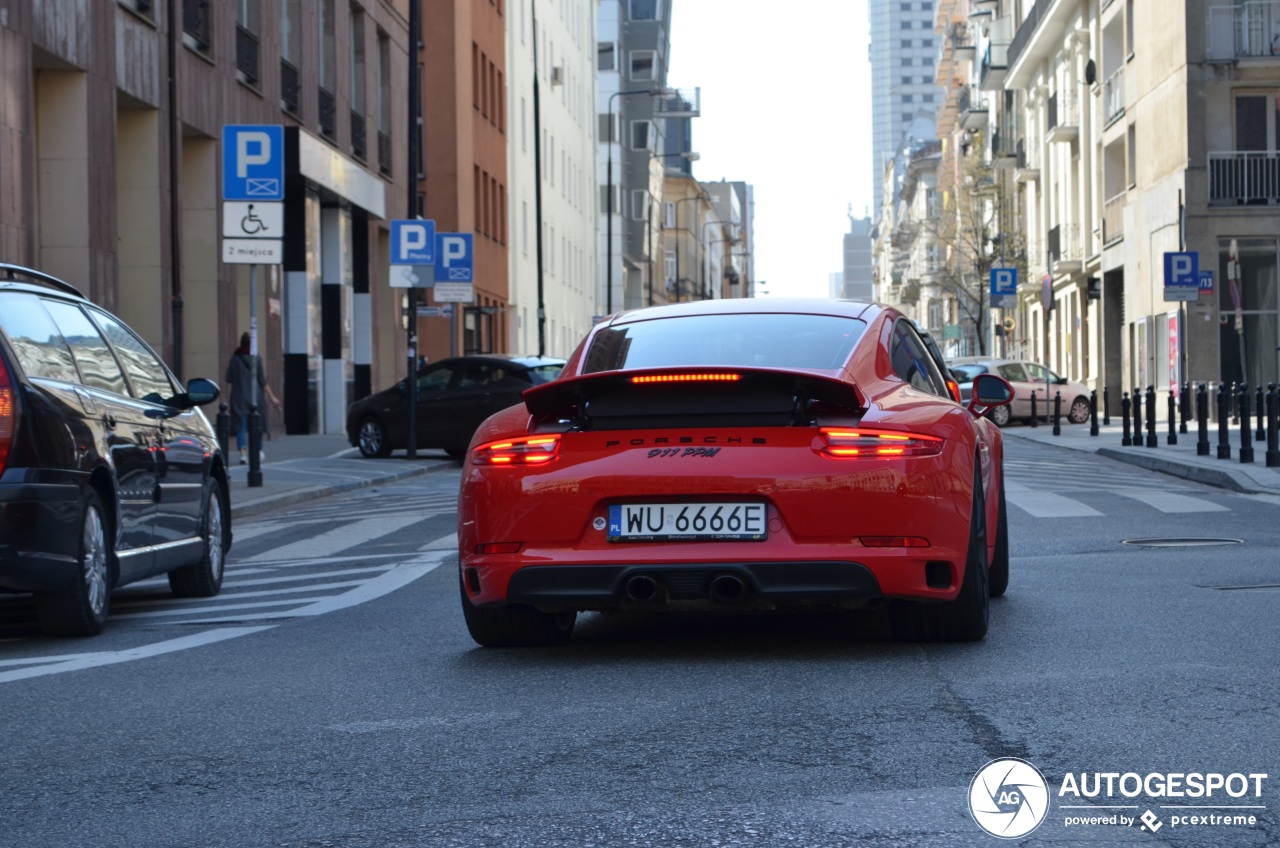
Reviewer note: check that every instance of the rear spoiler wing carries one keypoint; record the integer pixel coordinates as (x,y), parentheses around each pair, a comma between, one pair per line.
(691,395)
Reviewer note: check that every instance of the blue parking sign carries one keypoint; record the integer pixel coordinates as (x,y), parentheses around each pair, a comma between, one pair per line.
(253,162)
(1182,276)
(455,258)
(413,242)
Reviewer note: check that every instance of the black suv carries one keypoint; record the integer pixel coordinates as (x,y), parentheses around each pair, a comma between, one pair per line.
(108,471)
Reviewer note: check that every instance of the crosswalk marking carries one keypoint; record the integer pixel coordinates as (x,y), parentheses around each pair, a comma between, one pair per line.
(1170,502)
(338,539)
(1045,504)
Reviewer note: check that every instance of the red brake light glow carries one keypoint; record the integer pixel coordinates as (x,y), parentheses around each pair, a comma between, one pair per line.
(954,388)
(703,377)
(526,450)
(894,541)
(847,443)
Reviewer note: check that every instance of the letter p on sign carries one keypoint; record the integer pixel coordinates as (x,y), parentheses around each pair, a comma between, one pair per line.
(252,148)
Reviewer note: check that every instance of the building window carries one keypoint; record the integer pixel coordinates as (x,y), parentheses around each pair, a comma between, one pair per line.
(926,43)
(608,129)
(906,117)
(669,215)
(907,98)
(643,63)
(644,10)
(196,26)
(906,44)
(358,147)
(607,56)
(906,80)
(927,98)
(641,135)
(907,61)
(670,269)
(639,203)
(384,103)
(475,75)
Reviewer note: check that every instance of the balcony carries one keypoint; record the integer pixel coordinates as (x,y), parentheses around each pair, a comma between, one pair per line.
(995,64)
(288,87)
(1250,30)
(358,149)
(1244,178)
(973,110)
(328,113)
(1113,220)
(1062,120)
(1113,97)
(1064,249)
(247,55)
(1038,38)
(683,103)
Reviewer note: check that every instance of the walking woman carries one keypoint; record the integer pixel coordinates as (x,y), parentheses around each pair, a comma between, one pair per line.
(240,378)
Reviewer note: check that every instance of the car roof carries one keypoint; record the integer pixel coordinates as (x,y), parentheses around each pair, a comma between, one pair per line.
(31,280)
(751,305)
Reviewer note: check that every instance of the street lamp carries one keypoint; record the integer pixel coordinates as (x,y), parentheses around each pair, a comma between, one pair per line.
(652,92)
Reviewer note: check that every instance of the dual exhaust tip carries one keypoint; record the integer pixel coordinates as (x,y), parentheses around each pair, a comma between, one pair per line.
(724,589)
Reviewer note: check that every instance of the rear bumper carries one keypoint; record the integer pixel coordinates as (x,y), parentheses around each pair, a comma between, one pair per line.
(39,536)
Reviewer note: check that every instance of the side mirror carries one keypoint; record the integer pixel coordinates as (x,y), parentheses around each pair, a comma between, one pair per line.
(199,392)
(989,390)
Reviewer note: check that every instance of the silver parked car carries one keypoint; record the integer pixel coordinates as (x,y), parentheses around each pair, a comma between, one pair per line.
(1027,378)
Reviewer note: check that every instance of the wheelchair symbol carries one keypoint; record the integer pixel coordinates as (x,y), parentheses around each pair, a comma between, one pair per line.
(251,223)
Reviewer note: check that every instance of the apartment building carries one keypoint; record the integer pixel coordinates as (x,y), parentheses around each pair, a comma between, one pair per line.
(111,115)
(551,109)
(855,280)
(902,52)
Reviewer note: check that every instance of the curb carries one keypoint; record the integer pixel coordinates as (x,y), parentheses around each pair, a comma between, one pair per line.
(310,493)
(1221,478)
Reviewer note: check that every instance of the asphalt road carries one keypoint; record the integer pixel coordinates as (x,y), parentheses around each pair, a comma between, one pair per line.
(331,695)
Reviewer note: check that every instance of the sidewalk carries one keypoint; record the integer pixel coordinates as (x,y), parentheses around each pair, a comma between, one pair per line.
(302,468)
(1180,460)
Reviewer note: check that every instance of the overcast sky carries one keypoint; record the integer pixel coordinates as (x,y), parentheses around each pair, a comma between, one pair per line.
(786,106)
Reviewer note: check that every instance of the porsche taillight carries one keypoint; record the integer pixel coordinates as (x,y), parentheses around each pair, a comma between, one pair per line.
(689,377)
(850,443)
(526,450)
(8,415)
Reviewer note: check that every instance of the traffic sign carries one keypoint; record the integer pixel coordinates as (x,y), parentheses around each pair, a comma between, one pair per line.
(253,251)
(412,276)
(253,162)
(455,258)
(1182,276)
(241,219)
(1046,295)
(1004,287)
(454,292)
(445,311)
(413,242)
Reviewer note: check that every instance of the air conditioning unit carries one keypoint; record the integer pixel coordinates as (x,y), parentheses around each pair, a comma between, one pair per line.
(557,75)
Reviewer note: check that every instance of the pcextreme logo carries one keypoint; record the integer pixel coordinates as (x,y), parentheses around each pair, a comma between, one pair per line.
(1009,798)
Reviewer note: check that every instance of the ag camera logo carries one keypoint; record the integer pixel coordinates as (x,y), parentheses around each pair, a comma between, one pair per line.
(1008,798)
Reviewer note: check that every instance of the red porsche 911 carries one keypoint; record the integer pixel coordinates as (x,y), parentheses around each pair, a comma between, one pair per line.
(748,455)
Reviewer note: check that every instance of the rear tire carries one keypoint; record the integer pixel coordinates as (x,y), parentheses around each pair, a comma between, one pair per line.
(203,579)
(515,627)
(81,609)
(372,439)
(1000,563)
(965,618)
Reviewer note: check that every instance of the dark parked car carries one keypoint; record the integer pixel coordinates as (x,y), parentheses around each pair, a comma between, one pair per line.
(454,396)
(109,473)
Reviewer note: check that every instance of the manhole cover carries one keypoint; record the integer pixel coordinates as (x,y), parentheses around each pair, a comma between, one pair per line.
(1181,543)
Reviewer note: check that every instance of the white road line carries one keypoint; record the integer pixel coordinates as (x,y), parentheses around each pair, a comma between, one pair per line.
(225,596)
(294,578)
(1045,504)
(96,660)
(207,610)
(1168,502)
(338,539)
(444,543)
(398,577)
(277,564)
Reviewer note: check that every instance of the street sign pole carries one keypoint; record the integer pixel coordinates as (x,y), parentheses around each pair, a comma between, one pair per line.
(255,399)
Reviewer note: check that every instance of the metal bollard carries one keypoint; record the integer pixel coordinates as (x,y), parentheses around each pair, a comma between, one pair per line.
(1106,407)
(1153,441)
(223,428)
(1124,416)
(1202,421)
(1172,438)
(1262,416)
(1057,413)
(1035,417)
(1093,412)
(255,447)
(1137,416)
(1224,424)
(1246,438)
(1184,404)
(1273,426)
(1231,400)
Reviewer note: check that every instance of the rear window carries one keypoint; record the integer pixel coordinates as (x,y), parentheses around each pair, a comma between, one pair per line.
(545,373)
(969,371)
(769,340)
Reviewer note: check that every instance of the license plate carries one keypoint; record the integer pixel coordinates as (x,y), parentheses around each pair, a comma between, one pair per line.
(682,522)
